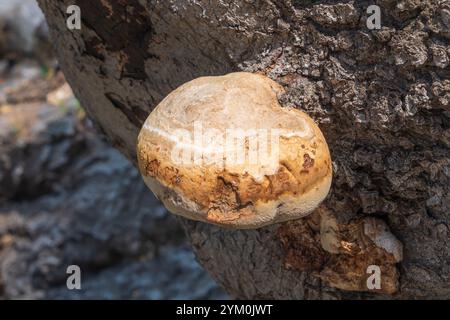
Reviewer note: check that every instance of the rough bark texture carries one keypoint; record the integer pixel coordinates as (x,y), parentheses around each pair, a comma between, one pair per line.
(382,99)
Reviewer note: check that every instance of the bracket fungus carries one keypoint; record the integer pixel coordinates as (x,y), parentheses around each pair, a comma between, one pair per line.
(342,254)
(223,150)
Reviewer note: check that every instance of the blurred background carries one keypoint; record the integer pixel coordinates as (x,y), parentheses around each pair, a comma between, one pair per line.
(67,197)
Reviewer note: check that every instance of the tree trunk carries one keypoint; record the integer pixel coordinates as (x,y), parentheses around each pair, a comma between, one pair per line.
(381,97)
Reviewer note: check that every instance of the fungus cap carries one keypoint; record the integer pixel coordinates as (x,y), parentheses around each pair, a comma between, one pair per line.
(222,150)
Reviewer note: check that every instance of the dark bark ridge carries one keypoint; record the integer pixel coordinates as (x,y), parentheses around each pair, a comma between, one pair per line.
(381,97)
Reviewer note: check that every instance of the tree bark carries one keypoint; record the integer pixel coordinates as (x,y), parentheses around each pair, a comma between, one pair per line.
(381,97)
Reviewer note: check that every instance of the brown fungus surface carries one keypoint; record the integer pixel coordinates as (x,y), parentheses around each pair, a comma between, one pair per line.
(223,150)
(343,255)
